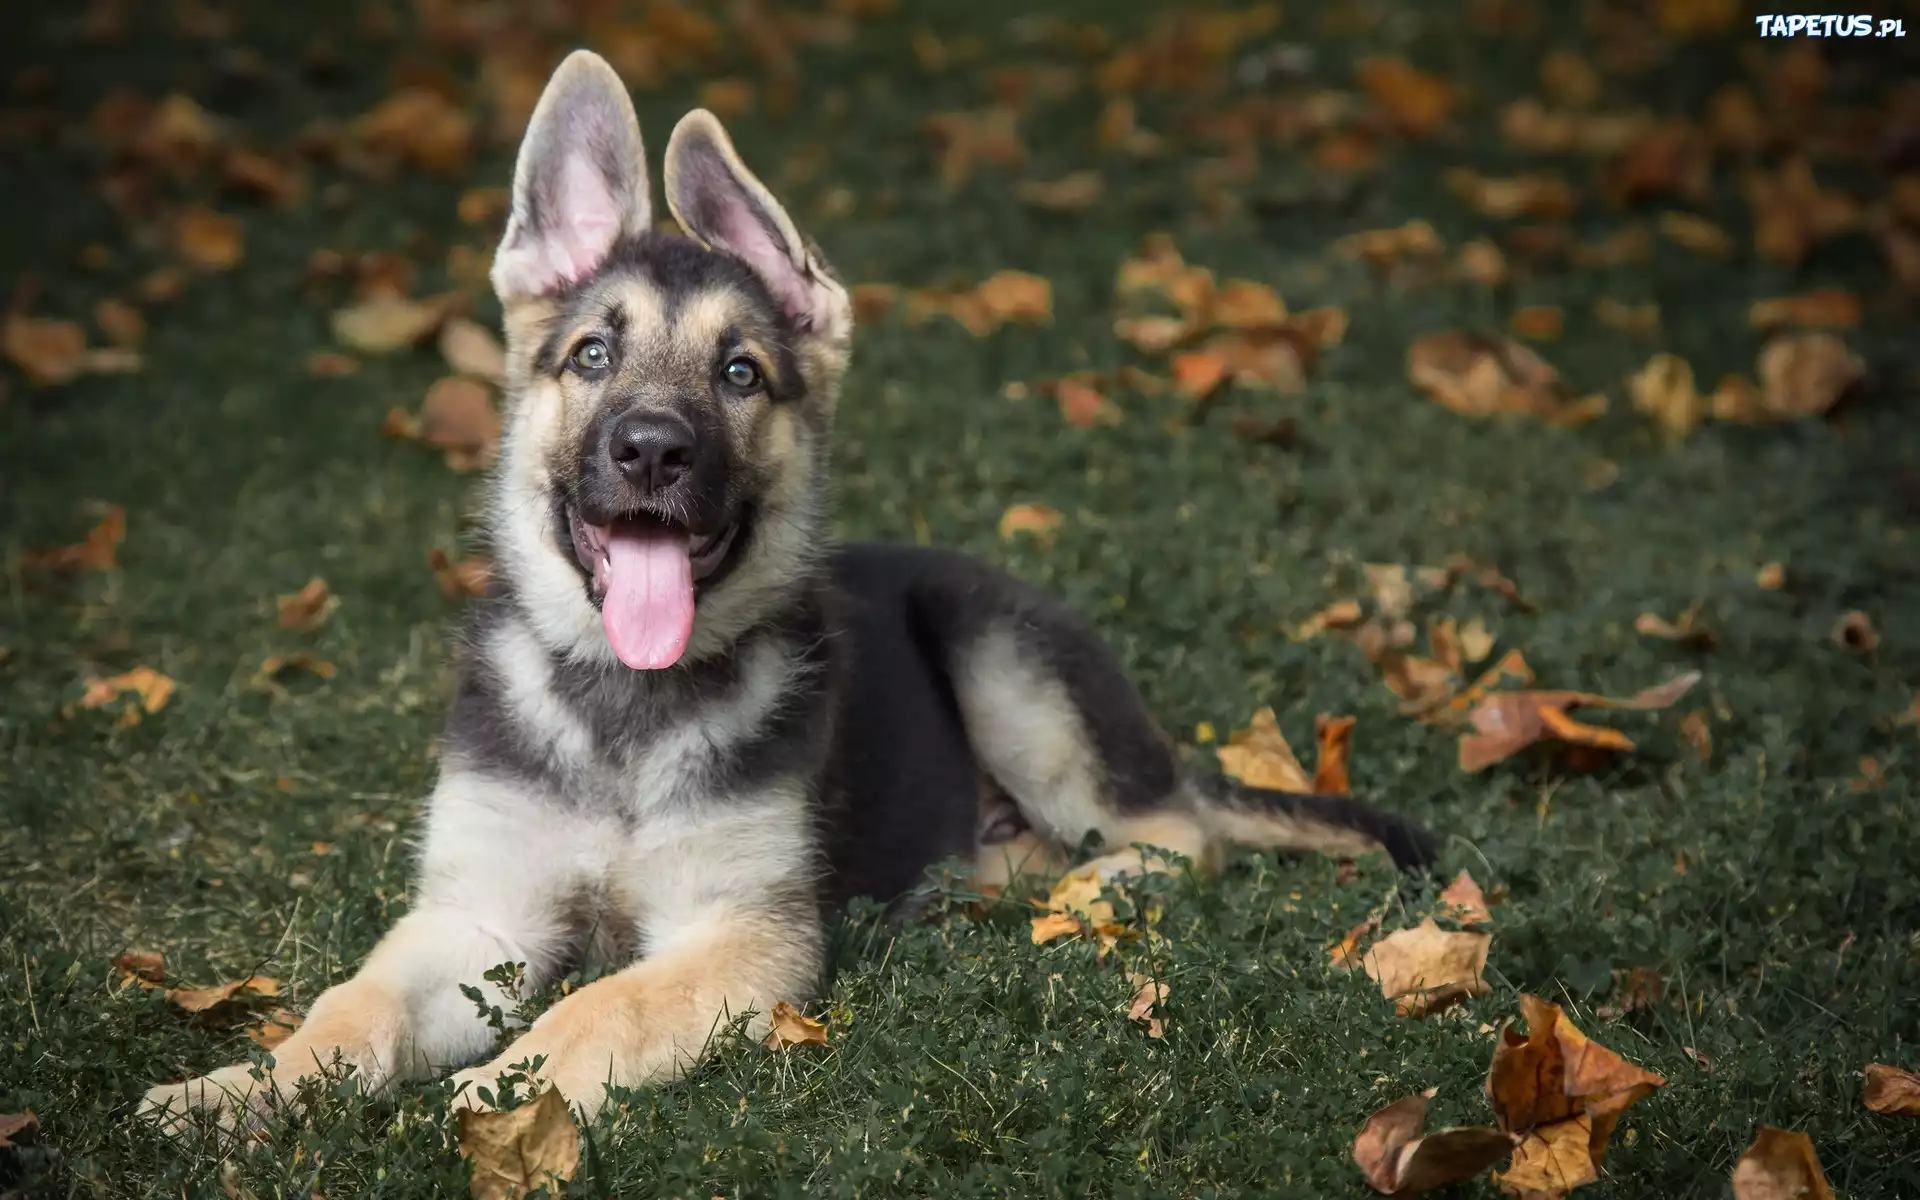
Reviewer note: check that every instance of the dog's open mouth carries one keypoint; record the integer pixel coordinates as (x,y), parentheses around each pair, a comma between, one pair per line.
(644,570)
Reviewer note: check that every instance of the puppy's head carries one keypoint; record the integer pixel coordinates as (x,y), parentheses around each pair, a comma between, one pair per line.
(671,398)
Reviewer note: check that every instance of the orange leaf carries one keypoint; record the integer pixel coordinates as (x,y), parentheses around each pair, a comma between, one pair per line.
(1555,1073)
(99,552)
(1335,738)
(1260,757)
(50,352)
(1468,902)
(1036,519)
(467,577)
(1414,101)
(309,608)
(209,240)
(149,687)
(1085,408)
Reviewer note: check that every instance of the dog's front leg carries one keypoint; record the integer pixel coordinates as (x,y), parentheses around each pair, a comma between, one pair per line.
(647,1023)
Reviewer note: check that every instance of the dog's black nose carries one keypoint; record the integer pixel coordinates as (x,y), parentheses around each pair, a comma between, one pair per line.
(653,450)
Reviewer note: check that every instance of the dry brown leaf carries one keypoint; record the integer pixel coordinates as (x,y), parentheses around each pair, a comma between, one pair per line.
(1398,1160)
(1689,628)
(1346,952)
(1054,925)
(273,1028)
(789,1029)
(1544,196)
(1002,298)
(388,323)
(1639,989)
(1416,102)
(140,966)
(1641,320)
(1342,616)
(1569,80)
(1664,390)
(49,351)
(1148,994)
(1854,631)
(1805,374)
(328,364)
(13,1125)
(1443,635)
(275,665)
(237,991)
(1792,212)
(1036,519)
(1073,193)
(1385,247)
(1483,262)
(1540,322)
(1275,356)
(150,689)
(470,348)
(1244,302)
(260,177)
(208,240)
(1504,723)
(1426,969)
(467,577)
(1260,757)
(1551,1160)
(1083,407)
(517,1151)
(1154,334)
(1892,1091)
(1696,730)
(1832,307)
(873,301)
(309,608)
(968,139)
(1334,738)
(458,416)
(98,552)
(121,322)
(1696,234)
(1780,1165)
(1465,902)
(1554,1073)
(1478,376)
(420,127)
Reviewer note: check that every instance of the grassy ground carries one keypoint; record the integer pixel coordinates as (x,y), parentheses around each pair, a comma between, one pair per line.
(966,1061)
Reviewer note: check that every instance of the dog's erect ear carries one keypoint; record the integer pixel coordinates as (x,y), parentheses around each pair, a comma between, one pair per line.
(579,184)
(716,199)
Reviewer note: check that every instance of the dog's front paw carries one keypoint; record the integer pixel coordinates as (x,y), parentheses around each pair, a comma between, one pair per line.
(228,1093)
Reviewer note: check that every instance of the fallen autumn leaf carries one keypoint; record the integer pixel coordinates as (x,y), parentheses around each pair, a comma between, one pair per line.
(790,1029)
(525,1148)
(1399,1160)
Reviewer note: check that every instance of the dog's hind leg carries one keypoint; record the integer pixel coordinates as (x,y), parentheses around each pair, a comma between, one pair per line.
(1058,726)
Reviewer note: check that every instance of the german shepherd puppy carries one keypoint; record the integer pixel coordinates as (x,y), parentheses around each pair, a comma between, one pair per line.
(687,725)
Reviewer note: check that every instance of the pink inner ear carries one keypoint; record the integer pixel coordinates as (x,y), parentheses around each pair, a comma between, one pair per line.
(746,236)
(582,219)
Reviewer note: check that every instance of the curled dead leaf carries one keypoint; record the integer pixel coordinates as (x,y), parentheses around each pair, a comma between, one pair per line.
(1805,374)
(203,1001)
(1854,632)
(48,351)
(1892,1091)
(1149,994)
(1504,723)
(1073,193)
(1478,376)
(275,665)
(1413,100)
(309,608)
(1005,297)
(98,552)
(1555,1074)
(387,323)
(471,349)
(141,966)
(1551,1160)
(417,126)
(1780,1165)
(458,416)
(466,577)
(121,322)
(1083,407)
(1831,307)
(1697,234)
(1465,902)
(1036,519)
(525,1148)
(789,1028)
(1426,969)
(1259,756)
(274,1028)
(150,689)
(1334,736)
(1688,628)
(1664,390)
(208,240)
(1397,1159)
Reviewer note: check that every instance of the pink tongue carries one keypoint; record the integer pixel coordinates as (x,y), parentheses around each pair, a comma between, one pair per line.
(648,609)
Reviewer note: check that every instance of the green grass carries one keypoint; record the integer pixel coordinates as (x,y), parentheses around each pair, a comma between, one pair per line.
(966,1061)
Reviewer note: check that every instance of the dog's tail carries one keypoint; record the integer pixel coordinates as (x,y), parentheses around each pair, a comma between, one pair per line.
(1337,825)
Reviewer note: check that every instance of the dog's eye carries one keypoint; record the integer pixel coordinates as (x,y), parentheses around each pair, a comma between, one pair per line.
(742,373)
(592,355)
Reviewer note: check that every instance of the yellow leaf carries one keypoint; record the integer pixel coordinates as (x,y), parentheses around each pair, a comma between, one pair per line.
(789,1029)
(1259,756)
